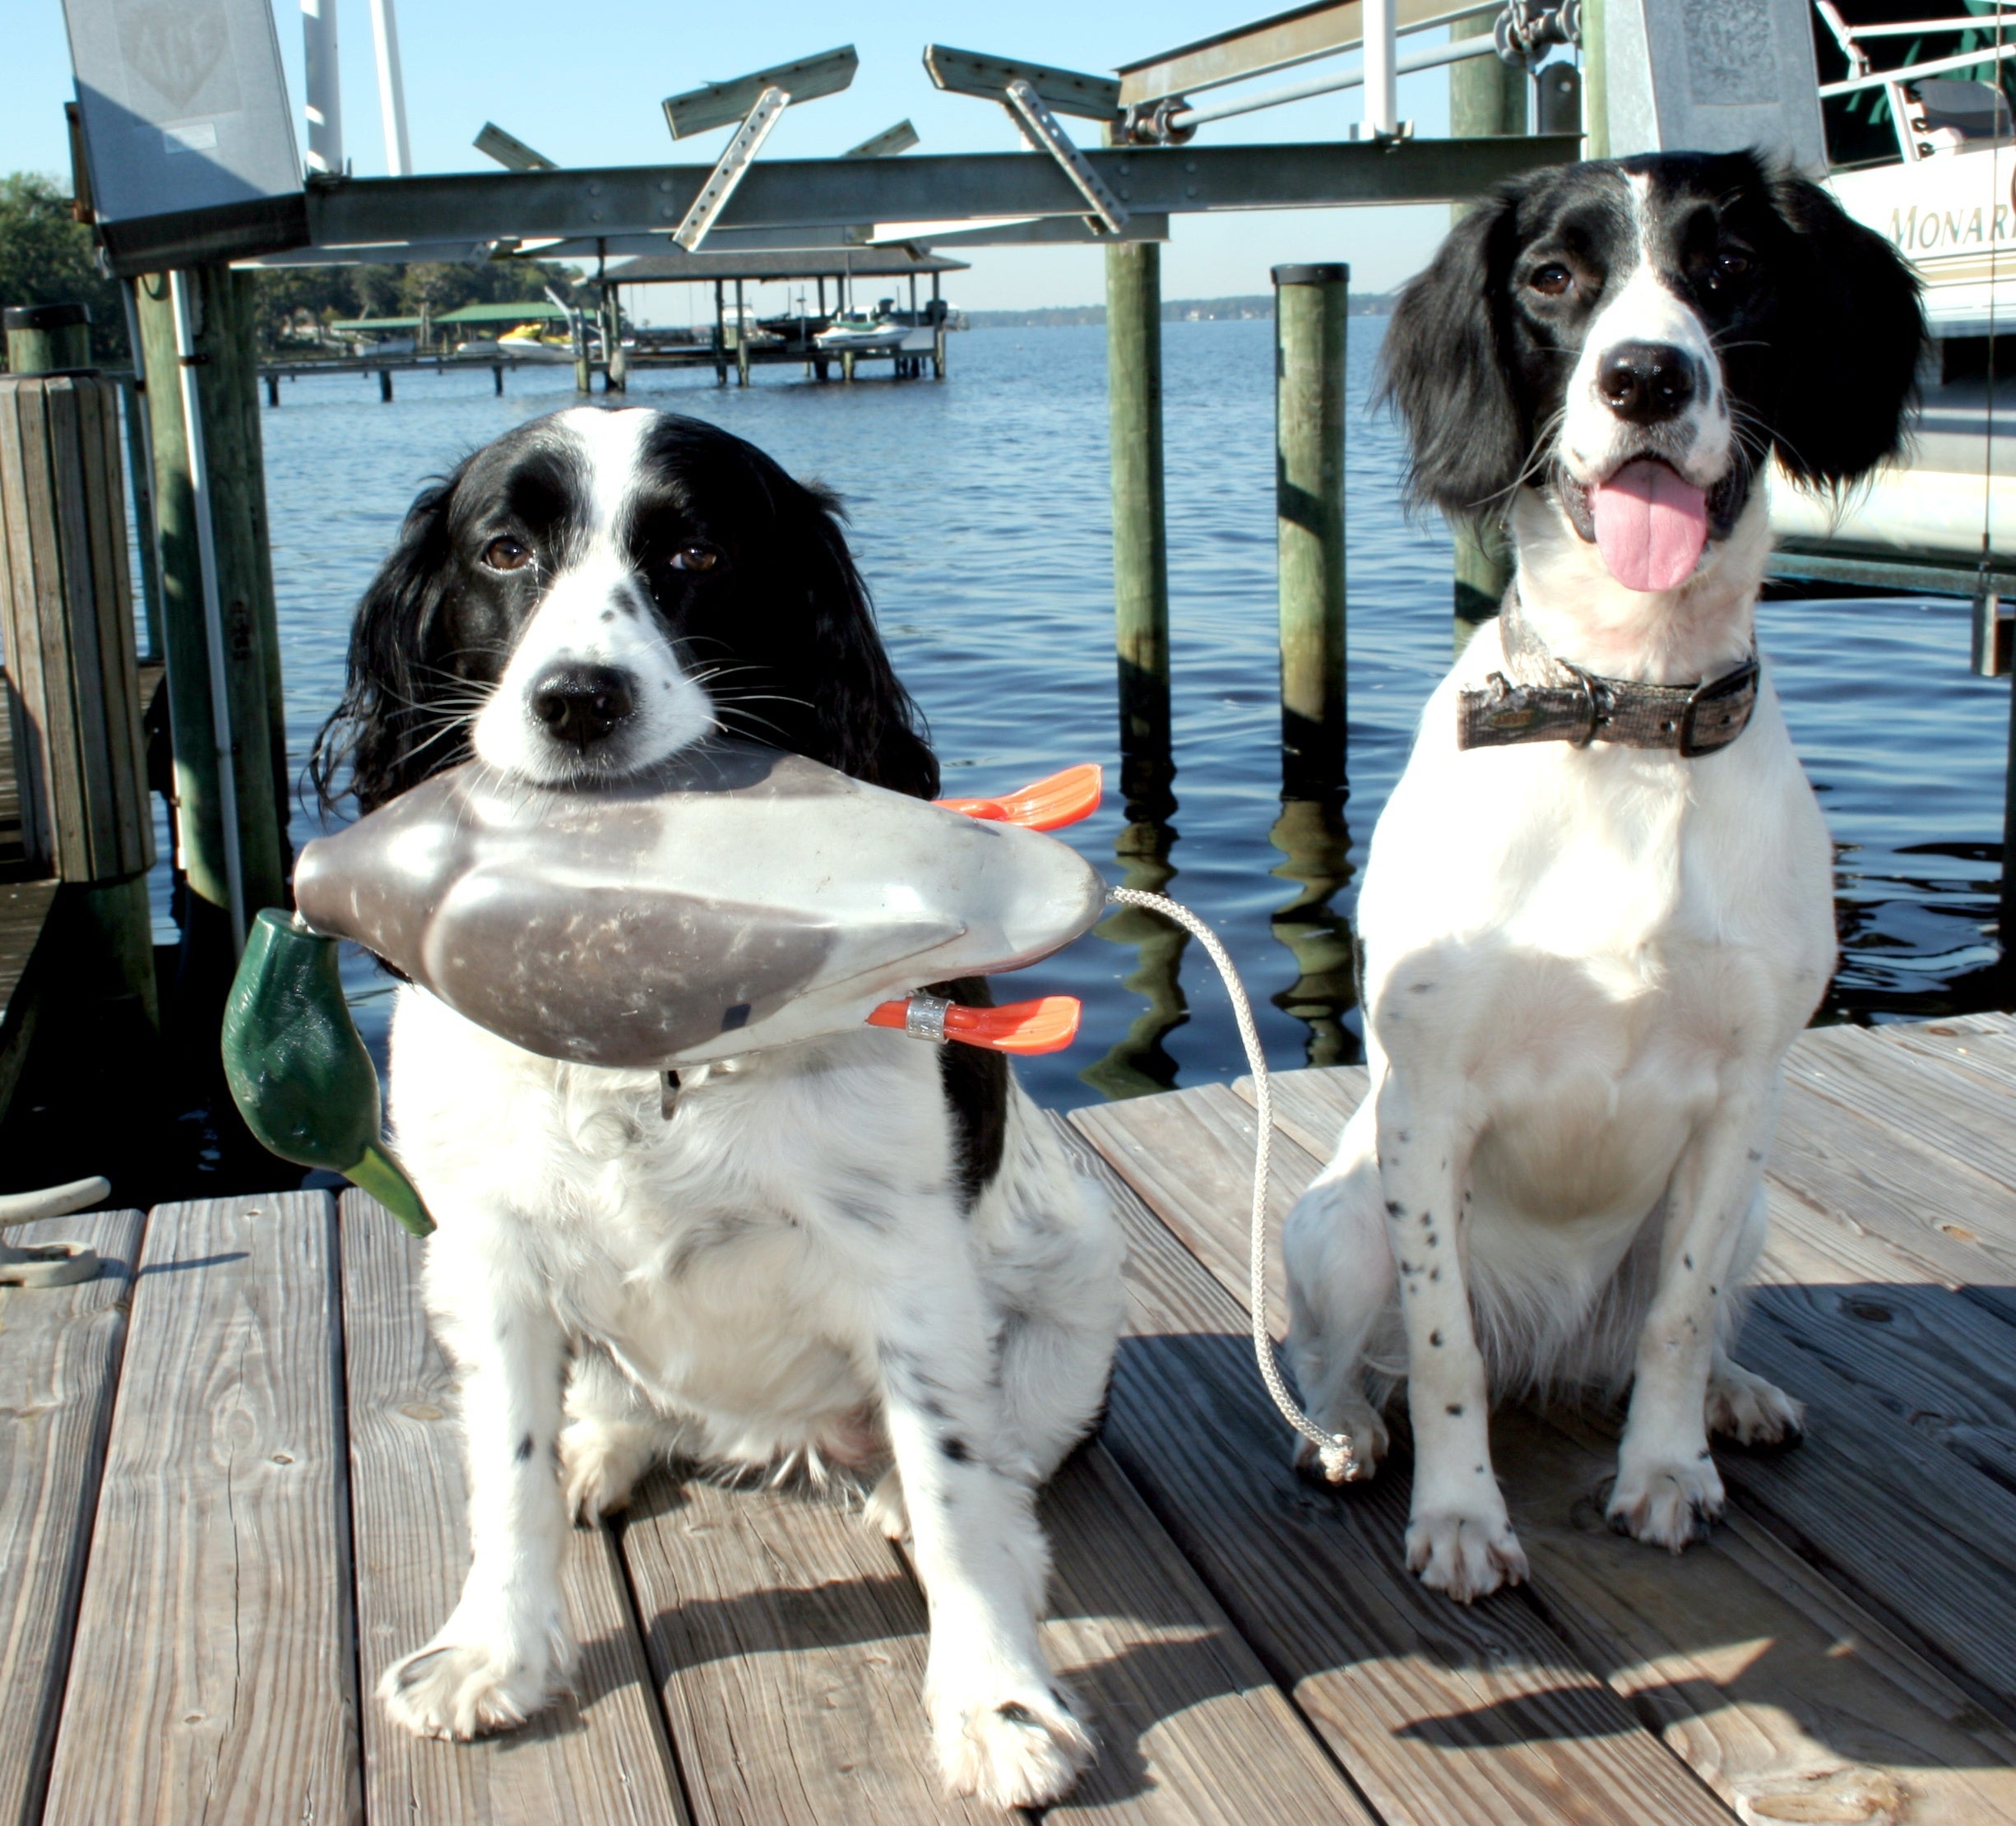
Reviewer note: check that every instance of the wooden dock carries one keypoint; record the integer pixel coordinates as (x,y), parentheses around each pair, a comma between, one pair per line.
(230,1493)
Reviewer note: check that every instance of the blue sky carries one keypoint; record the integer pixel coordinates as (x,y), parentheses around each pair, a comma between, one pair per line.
(582,83)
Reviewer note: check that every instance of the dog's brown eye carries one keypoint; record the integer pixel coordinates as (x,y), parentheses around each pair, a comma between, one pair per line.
(695,558)
(1731,266)
(1552,280)
(507,555)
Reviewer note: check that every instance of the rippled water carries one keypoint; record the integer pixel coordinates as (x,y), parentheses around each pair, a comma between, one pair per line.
(980,518)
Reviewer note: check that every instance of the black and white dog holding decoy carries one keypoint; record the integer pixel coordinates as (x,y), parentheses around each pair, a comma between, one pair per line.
(862,1253)
(1598,906)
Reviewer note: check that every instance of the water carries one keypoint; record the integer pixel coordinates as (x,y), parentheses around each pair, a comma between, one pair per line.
(980,519)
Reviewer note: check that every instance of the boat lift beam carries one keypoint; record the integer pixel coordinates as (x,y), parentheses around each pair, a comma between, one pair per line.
(808,193)
(1064,91)
(1266,45)
(730,168)
(717,104)
(509,150)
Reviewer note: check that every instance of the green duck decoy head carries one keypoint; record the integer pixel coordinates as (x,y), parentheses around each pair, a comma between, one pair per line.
(298,1071)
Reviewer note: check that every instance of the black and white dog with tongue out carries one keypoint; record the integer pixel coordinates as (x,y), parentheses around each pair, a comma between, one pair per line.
(1597,909)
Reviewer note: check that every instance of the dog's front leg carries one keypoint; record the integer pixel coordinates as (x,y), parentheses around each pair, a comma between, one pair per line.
(1459,1537)
(1005,1730)
(499,1656)
(1668,1490)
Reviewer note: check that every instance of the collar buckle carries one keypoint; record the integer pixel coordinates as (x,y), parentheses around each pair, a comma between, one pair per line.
(1712,694)
(1591,704)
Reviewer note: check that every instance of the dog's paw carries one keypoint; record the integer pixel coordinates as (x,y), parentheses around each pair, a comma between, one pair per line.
(1361,1423)
(1468,1554)
(1021,1746)
(1743,1406)
(600,1465)
(1667,1505)
(454,1689)
(886,1511)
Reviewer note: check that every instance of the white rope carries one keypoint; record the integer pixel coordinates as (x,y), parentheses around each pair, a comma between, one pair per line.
(1335,1450)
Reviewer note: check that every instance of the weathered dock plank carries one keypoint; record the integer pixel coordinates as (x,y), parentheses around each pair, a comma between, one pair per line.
(1933,1100)
(213,1676)
(1786,1698)
(787,1640)
(1893,1371)
(599,1753)
(1873,1178)
(1191,1727)
(1438,1713)
(59,1366)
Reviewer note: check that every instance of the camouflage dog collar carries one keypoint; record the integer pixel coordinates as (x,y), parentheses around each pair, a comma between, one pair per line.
(1567,704)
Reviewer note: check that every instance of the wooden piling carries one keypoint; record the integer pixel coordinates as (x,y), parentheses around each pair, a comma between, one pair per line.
(272,391)
(1311,305)
(721,338)
(742,341)
(616,374)
(385,386)
(1486,98)
(222,330)
(48,339)
(497,378)
(73,684)
(1140,536)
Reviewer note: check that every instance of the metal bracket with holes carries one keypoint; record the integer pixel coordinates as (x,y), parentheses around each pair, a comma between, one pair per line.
(1034,116)
(49,1264)
(731,168)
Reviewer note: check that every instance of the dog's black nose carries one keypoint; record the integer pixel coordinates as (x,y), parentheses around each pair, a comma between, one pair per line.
(1644,383)
(581,704)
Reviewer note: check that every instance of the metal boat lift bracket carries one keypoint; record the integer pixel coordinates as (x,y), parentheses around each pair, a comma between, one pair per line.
(1027,109)
(729,169)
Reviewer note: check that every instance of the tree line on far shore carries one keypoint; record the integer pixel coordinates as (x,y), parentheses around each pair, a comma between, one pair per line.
(47,257)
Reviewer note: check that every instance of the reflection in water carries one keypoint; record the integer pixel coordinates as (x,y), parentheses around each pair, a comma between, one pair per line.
(1139,1064)
(1315,842)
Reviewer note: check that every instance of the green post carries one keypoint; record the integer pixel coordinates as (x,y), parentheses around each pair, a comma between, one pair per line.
(1311,305)
(1487,98)
(48,339)
(1595,86)
(226,372)
(1140,535)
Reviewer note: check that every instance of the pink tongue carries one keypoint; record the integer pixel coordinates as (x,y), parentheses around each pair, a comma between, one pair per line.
(1650,526)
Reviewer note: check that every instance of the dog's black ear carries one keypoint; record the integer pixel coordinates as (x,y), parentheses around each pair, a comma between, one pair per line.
(1445,370)
(822,684)
(1852,330)
(391,730)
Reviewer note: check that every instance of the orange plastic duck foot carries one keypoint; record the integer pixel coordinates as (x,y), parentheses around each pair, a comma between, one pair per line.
(1047,1025)
(1050,804)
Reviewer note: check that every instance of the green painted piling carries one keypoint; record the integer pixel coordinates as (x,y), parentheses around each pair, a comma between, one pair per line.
(1486,98)
(1594,87)
(1311,306)
(221,309)
(48,339)
(1140,534)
